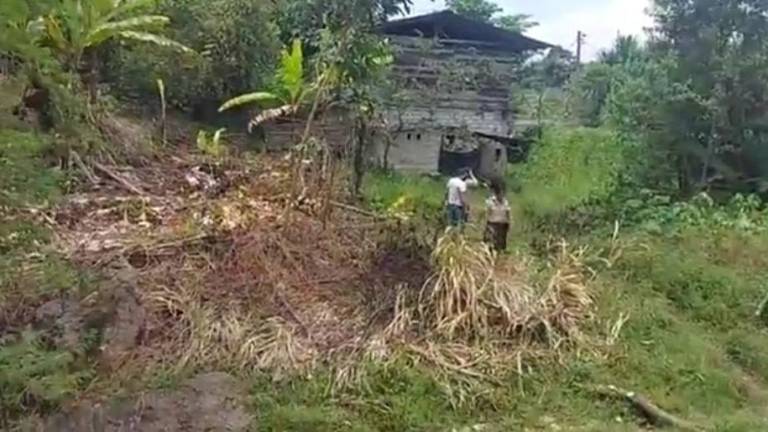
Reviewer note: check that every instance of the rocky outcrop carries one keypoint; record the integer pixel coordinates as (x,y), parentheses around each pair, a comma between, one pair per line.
(211,402)
(124,324)
(113,312)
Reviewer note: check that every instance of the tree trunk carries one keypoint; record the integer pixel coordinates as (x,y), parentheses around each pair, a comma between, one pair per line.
(93,77)
(387,145)
(358,157)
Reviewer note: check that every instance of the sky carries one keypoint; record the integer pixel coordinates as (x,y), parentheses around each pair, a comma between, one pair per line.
(560,20)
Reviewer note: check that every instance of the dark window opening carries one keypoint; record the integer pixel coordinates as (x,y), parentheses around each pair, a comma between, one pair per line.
(451,139)
(498,154)
(408,137)
(418,137)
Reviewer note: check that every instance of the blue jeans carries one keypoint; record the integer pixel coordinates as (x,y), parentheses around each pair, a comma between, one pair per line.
(456,215)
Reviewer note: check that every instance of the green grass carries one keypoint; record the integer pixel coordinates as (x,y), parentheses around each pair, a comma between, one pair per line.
(25,177)
(35,377)
(385,191)
(692,343)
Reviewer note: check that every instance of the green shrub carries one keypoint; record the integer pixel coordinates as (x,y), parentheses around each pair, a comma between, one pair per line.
(24,177)
(34,378)
(569,167)
(236,41)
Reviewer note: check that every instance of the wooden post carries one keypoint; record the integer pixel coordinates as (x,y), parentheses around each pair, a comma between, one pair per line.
(579,43)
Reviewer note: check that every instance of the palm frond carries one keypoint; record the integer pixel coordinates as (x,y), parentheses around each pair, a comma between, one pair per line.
(155,39)
(249,98)
(14,11)
(128,6)
(55,34)
(272,114)
(103,8)
(108,30)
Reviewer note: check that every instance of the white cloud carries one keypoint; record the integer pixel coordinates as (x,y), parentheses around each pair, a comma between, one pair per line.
(601,23)
(426,6)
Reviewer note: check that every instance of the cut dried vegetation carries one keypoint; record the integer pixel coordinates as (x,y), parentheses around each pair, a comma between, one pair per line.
(474,296)
(238,268)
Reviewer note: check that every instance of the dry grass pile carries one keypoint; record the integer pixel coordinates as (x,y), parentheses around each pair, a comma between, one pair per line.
(480,317)
(474,296)
(209,335)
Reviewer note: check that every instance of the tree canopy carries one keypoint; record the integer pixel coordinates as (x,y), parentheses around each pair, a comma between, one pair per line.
(490,12)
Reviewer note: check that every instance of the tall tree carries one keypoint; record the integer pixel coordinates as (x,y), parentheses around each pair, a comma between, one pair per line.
(488,11)
(481,10)
(719,55)
(519,23)
(625,49)
(591,86)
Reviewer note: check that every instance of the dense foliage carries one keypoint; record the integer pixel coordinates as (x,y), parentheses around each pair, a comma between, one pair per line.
(696,95)
(227,34)
(569,167)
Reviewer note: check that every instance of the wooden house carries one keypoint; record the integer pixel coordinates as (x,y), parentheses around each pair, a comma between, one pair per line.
(452,105)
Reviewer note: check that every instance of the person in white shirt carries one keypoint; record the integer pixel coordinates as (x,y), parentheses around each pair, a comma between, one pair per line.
(456,203)
(497,216)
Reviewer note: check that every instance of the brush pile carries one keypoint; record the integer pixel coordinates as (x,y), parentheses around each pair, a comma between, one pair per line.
(472,296)
(234,267)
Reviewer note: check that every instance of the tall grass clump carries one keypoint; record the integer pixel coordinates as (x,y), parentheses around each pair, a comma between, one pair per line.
(465,295)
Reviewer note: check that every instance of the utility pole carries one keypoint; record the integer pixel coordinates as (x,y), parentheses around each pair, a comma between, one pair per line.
(580,36)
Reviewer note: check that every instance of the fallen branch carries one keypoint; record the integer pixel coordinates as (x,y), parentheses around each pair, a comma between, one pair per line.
(86,171)
(648,409)
(174,244)
(357,210)
(119,179)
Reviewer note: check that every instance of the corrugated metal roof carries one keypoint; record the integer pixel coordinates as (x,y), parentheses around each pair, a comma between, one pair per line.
(449,25)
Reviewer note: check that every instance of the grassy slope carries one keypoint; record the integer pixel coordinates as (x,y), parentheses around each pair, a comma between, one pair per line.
(33,377)
(691,344)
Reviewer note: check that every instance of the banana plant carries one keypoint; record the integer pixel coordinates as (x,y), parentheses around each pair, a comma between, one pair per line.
(19,30)
(290,92)
(75,28)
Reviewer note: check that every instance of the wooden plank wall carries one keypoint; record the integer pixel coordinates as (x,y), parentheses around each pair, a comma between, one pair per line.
(454,73)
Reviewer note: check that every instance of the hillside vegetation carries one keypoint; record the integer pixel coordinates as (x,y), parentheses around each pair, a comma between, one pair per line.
(159,271)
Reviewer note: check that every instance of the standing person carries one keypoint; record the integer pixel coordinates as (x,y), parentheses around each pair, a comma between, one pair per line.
(498,217)
(456,202)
